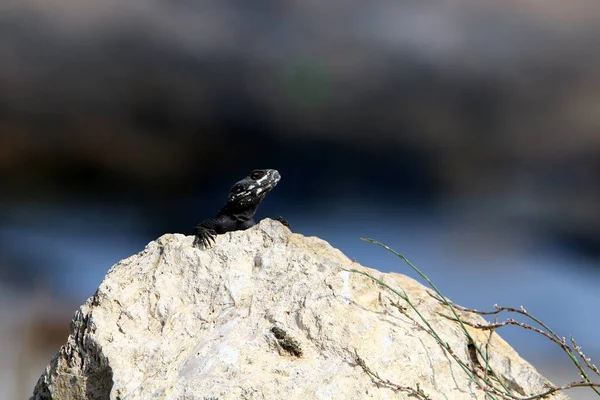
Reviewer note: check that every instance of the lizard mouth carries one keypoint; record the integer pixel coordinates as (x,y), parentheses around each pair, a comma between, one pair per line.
(274,179)
(270,180)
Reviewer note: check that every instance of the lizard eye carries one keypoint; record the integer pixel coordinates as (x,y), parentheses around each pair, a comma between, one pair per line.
(257,174)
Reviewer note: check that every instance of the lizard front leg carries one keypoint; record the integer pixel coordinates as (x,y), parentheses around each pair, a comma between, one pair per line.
(206,231)
(205,234)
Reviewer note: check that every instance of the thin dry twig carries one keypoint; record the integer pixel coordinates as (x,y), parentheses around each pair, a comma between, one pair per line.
(379,381)
(586,360)
(547,333)
(479,374)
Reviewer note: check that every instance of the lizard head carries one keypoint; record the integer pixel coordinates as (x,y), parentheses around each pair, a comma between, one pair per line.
(252,189)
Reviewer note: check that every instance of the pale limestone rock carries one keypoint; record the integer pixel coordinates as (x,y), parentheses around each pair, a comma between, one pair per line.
(263,314)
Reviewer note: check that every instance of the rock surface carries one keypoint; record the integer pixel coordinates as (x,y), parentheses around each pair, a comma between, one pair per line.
(263,314)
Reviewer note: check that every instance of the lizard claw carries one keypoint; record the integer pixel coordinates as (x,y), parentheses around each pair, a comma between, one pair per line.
(283,222)
(205,237)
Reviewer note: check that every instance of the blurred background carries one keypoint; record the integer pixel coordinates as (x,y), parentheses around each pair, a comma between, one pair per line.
(465,134)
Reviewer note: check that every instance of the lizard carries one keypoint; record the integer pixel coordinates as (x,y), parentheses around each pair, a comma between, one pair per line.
(244,198)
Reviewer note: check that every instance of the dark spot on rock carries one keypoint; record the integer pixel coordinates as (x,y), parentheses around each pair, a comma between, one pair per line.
(286,342)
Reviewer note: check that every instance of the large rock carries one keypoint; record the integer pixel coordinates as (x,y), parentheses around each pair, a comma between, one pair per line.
(263,314)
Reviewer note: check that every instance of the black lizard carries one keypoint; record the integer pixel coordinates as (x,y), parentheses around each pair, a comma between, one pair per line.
(243,201)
